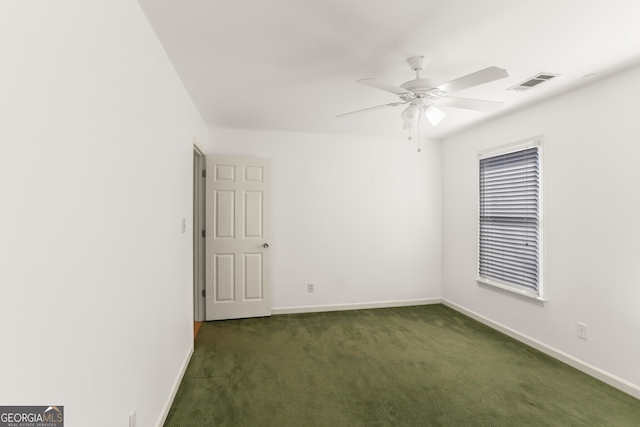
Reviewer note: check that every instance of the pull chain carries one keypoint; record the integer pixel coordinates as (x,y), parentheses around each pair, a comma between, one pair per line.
(410,138)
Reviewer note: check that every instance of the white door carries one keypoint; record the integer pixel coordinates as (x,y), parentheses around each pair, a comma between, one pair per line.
(237,237)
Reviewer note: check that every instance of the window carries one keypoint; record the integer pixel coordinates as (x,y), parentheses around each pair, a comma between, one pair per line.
(509,255)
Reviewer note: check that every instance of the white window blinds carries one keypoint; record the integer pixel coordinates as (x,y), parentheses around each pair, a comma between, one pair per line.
(509,252)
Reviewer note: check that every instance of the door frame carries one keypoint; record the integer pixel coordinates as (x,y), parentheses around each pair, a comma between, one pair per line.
(199,215)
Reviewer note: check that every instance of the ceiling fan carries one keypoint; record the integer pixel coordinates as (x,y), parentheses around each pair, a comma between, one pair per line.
(425,99)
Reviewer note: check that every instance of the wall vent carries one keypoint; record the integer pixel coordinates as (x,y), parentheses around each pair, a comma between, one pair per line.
(534,81)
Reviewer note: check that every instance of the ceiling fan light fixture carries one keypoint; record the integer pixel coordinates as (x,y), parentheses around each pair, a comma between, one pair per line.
(410,117)
(434,115)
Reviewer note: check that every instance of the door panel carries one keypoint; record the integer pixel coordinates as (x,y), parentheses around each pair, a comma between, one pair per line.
(237,253)
(224,214)
(253,214)
(253,276)
(224,277)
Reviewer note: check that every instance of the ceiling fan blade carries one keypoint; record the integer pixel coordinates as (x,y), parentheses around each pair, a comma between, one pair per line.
(384,86)
(479,77)
(472,104)
(364,110)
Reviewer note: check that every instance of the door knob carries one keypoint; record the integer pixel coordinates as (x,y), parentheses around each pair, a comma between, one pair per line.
(266,245)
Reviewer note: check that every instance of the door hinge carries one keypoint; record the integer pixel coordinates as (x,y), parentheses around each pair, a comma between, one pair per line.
(203,233)
(204,173)
(204,293)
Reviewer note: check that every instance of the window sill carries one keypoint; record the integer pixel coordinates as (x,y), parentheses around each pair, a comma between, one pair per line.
(510,291)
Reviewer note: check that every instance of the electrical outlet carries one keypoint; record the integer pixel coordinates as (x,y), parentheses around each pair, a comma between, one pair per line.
(133,419)
(310,287)
(582,331)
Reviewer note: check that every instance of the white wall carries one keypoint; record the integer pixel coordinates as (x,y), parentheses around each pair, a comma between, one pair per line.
(357,216)
(591,208)
(95,175)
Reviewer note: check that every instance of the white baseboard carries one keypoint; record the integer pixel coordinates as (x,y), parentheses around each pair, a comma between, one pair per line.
(588,369)
(174,388)
(354,306)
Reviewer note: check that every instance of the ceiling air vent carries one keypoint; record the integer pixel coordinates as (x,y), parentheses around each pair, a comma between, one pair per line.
(534,81)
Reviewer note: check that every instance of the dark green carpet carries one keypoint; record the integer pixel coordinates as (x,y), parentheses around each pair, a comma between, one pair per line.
(410,366)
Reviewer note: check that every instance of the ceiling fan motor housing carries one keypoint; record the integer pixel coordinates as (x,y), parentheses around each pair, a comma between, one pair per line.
(418,86)
(421,88)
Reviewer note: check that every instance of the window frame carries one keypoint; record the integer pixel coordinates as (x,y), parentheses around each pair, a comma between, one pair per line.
(494,284)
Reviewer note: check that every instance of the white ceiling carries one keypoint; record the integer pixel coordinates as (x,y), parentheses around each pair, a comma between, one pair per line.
(292,65)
